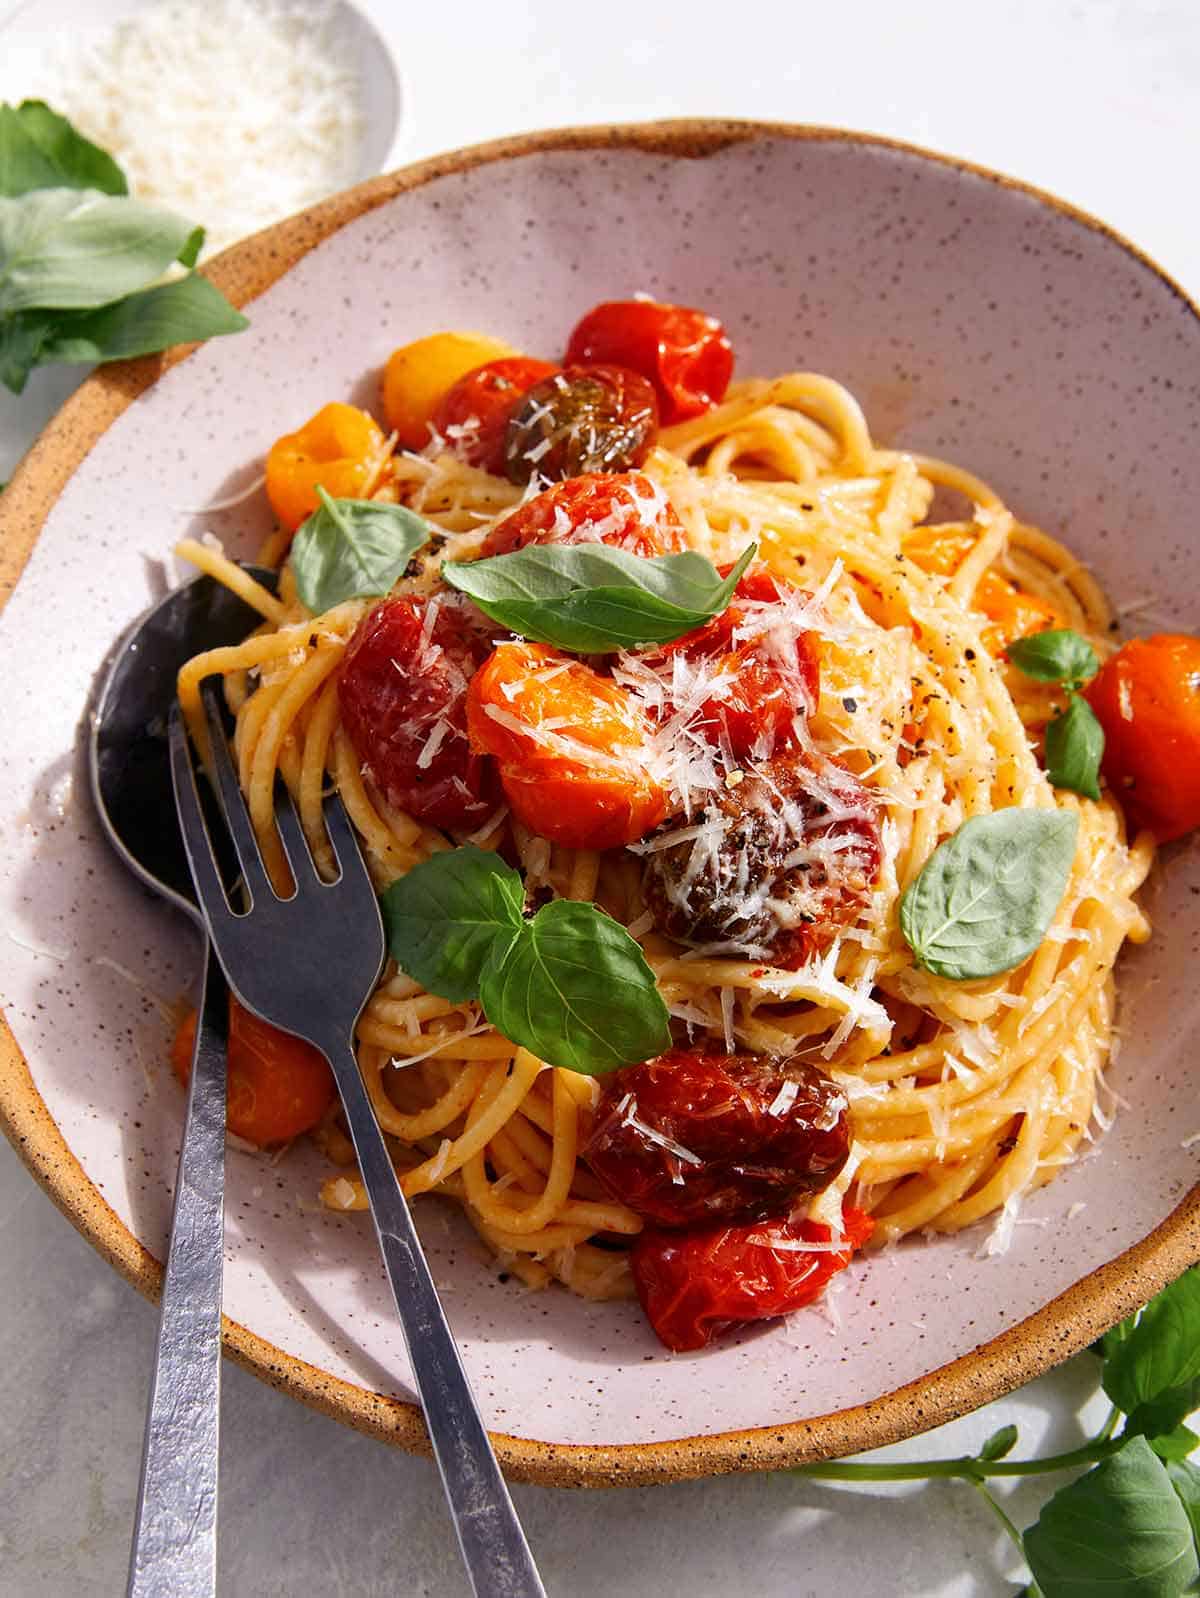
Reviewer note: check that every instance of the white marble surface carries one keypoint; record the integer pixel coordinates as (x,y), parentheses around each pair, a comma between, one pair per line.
(1093,99)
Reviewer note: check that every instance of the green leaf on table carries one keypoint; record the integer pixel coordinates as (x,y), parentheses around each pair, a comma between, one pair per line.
(593,599)
(1177,1444)
(1153,1375)
(575,989)
(74,249)
(39,149)
(1185,1479)
(180,312)
(443,917)
(999,1444)
(1074,749)
(351,548)
(984,899)
(1057,655)
(21,341)
(1121,1531)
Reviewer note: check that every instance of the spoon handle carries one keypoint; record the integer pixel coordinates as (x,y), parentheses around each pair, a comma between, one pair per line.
(175,1531)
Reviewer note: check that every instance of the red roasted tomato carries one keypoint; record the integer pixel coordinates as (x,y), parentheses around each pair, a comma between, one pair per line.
(1147,698)
(473,415)
(766,670)
(695,1285)
(402,692)
(622,509)
(573,747)
(685,354)
(697,1136)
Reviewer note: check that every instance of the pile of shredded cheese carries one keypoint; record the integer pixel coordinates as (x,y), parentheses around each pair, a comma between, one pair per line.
(234,113)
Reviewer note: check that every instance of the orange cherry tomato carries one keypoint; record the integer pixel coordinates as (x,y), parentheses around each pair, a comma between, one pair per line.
(685,354)
(1012,612)
(1147,699)
(278,1087)
(572,747)
(473,415)
(338,448)
(418,374)
(622,509)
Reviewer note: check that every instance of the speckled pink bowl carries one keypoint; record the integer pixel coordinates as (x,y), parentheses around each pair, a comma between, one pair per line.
(973,317)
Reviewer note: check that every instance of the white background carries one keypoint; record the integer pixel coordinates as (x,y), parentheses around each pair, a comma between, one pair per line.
(1094,99)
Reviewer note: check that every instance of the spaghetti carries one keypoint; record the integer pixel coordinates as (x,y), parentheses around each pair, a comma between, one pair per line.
(963,1096)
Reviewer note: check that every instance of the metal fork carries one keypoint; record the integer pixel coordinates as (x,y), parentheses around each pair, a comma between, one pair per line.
(308,964)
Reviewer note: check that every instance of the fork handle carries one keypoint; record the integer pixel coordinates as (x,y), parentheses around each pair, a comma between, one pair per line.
(499,1563)
(174,1551)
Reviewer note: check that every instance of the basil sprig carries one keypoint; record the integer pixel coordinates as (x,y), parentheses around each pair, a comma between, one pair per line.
(1074,738)
(1130,1527)
(80,260)
(568,983)
(592,599)
(984,899)
(351,548)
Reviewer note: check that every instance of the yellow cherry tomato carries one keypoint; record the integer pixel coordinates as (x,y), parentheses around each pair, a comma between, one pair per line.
(338,449)
(418,374)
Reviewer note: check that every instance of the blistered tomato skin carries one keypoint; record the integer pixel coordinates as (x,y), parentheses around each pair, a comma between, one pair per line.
(695,1285)
(583,419)
(1147,699)
(795,851)
(571,747)
(402,693)
(686,354)
(767,672)
(278,1085)
(621,509)
(473,415)
(751,1136)
(417,375)
(338,449)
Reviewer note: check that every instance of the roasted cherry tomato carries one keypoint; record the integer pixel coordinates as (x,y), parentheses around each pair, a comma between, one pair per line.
(473,415)
(402,693)
(279,1086)
(696,1136)
(1012,612)
(685,354)
(418,374)
(696,1285)
(586,419)
(338,448)
(622,509)
(793,852)
(1147,698)
(573,747)
(764,668)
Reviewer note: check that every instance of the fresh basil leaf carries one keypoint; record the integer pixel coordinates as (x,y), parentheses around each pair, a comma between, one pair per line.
(983,900)
(575,989)
(24,165)
(353,547)
(1177,1444)
(74,249)
(74,162)
(591,599)
(443,916)
(1058,655)
(999,1443)
(1153,1376)
(181,312)
(1185,1479)
(1108,1345)
(22,339)
(1074,749)
(1120,1531)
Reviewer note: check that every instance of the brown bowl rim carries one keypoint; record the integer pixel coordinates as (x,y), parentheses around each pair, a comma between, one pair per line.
(1061,1328)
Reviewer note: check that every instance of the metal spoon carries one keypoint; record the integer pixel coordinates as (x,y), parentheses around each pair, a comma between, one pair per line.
(175,1531)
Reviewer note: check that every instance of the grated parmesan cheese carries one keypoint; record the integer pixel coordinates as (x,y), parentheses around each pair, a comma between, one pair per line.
(233,112)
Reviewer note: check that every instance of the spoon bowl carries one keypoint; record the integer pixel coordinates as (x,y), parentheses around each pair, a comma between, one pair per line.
(127,752)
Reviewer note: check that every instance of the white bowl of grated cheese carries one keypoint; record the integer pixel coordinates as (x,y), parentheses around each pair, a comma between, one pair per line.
(236,113)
